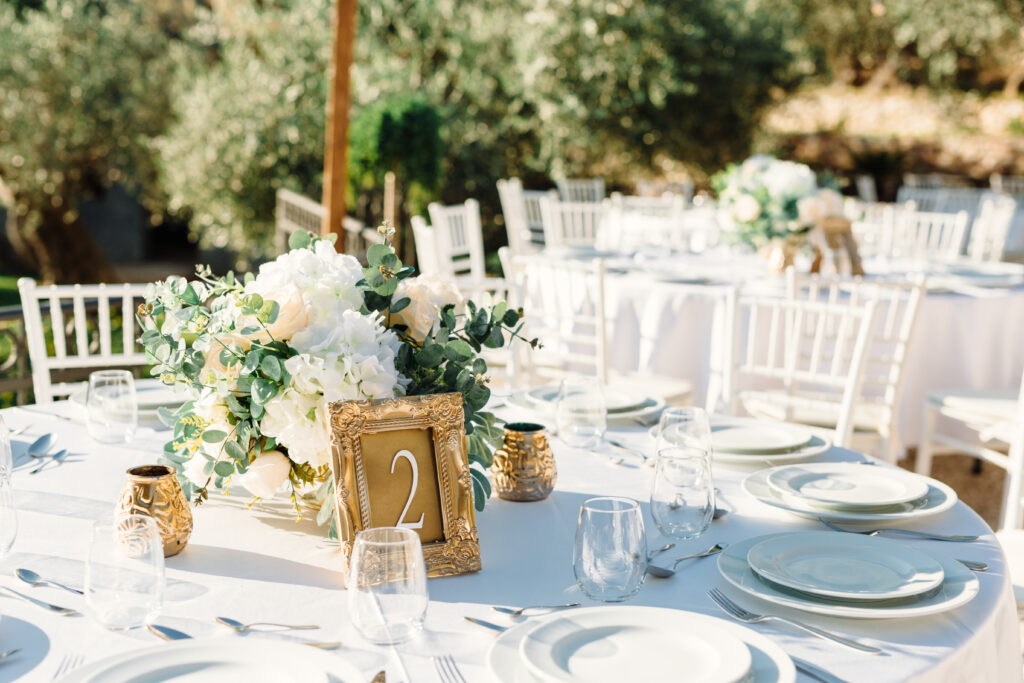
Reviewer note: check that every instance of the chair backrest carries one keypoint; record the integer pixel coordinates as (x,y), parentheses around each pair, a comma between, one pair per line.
(514,211)
(293,212)
(426,247)
(664,222)
(564,307)
(991,227)
(810,348)
(874,224)
(581,189)
(1007,184)
(459,239)
(930,234)
(572,224)
(897,303)
(866,188)
(82,322)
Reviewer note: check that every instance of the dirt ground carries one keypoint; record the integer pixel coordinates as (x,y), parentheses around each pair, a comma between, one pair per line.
(981,489)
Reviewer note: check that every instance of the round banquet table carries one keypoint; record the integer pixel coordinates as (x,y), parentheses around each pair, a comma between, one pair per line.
(260,565)
(963,340)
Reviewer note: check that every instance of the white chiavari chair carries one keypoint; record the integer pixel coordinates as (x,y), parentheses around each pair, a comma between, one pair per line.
(572,224)
(1012,185)
(995,418)
(875,410)
(565,308)
(82,322)
(866,189)
(933,180)
(874,223)
(427,261)
(581,189)
(522,216)
(991,228)
(813,351)
(930,234)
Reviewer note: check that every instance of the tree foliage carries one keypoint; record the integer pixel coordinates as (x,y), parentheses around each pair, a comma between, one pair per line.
(84,88)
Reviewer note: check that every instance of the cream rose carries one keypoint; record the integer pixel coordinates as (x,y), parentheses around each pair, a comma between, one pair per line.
(194,469)
(292,315)
(266,474)
(746,209)
(428,295)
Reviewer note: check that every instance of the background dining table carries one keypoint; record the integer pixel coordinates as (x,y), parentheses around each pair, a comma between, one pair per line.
(259,564)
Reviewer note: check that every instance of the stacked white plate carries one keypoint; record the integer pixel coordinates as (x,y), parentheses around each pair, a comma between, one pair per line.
(214,661)
(850,492)
(597,644)
(745,441)
(621,404)
(847,575)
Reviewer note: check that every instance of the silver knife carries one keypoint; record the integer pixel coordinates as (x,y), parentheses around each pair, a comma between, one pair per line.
(167,633)
(814,671)
(486,624)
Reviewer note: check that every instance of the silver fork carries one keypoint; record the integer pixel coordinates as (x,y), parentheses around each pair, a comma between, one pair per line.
(448,670)
(740,614)
(909,533)
(68,664)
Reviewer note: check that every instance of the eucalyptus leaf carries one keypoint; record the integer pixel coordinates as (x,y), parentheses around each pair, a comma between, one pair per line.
(235,451)
(271,367)
(214,435)
(263,390)
(299,239)
(376,254)
(224,468)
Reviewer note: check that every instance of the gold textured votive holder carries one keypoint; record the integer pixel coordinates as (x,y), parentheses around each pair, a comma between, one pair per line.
(524,467)
(154,491)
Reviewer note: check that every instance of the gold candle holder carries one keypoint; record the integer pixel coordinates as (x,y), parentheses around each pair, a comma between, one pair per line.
(154,491)
(524,467)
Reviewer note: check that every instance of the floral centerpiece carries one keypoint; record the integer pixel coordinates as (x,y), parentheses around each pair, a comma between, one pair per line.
(261,357)
(774,204)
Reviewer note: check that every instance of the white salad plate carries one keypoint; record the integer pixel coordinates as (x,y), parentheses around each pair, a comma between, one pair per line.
(845,566)
(543,399)
(848,485)
(584,646)
(815,446)
(939,498)
(615,400)
(758,437)
(959,586)
(252,660)
(766,661)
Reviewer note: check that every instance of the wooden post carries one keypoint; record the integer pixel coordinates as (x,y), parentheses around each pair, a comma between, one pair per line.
(336,138)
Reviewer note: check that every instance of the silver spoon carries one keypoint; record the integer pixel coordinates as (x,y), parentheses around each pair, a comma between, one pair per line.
(33,579)
(665,573)
(239,627)
(57,457)
(516,613)
(658,551)
(63,611)
(9,653)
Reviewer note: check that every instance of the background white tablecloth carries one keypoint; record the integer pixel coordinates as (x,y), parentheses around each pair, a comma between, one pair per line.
(261,565)
(961,341)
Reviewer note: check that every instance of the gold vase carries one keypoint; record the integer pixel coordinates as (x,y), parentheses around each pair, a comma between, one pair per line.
(154,491)
(524,467)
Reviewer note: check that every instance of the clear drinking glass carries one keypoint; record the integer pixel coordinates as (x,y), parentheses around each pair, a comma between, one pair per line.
(387,584)
(8,512)
(683,491)
(112,410)
(610,555)
(580,413)
(124,576)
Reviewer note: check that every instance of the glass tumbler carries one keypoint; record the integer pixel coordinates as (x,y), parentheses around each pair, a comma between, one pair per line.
(580,412)
(683,491)
(387,584)
(124,575)
(112,410)
(610,554)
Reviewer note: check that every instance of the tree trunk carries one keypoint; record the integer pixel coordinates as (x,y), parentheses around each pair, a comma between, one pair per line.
(885,75)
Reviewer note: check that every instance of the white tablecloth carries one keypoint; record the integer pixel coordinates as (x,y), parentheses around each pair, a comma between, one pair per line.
(260,565)
(961,341)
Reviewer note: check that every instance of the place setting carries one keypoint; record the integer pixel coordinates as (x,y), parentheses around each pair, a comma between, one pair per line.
(748,442)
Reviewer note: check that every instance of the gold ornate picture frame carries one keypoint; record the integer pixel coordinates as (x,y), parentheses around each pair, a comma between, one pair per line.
(403,462)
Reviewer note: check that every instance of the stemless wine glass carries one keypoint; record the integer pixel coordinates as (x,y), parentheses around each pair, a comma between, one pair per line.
(6,461)
(580,413)
(112,411)
(124,576)
(610,555)
(387,584)
(683,492)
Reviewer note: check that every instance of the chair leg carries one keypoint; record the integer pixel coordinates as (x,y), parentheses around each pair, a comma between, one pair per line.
(924,448)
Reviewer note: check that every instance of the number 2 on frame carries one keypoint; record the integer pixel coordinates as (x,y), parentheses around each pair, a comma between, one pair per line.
(412,491)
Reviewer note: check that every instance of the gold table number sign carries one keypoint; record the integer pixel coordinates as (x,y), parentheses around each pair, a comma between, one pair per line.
(403,462)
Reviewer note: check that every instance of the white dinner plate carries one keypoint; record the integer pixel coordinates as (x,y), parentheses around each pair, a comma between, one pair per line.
(616,644)
(769,664)
(758,437)
(939,498)
(845,566)
(817,445)
(844,485)
(648,410)
(957,588)
(215,661)
(615,400)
